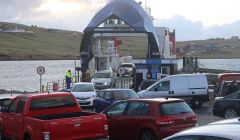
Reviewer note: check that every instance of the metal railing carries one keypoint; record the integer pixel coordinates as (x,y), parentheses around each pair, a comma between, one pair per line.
(60,85)
(124,82)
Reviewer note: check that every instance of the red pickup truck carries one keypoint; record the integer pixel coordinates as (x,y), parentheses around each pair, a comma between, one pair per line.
(50,116)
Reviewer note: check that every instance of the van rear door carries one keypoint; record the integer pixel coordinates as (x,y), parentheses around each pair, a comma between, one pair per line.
(179,86)
(198,85)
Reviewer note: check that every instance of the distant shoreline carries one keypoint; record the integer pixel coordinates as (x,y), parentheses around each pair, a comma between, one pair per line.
(3,91)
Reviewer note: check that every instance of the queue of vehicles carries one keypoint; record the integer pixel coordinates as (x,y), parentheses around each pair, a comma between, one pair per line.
(59,115)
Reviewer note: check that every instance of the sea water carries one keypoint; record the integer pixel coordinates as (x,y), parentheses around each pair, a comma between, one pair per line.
(22,75)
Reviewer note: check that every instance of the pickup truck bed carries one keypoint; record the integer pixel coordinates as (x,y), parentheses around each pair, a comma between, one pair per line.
(63,115)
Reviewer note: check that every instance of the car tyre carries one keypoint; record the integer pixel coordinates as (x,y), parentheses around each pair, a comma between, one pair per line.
(196,103)
(230,113)
(1,135)
(147,135)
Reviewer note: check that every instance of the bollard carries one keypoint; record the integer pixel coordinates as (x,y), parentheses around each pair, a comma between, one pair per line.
(42,88)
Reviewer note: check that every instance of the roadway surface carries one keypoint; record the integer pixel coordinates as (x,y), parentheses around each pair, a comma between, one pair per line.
(205,115)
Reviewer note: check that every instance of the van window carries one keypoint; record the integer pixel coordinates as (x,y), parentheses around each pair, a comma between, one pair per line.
(163,86)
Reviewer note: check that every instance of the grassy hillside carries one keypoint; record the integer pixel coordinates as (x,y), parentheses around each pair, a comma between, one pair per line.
(212,48)
(42,43)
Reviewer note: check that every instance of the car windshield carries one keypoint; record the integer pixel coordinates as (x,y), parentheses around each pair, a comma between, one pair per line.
(102,75)
(124,94)
(83,88)
(5,102)
(173,108)
(127,65)
(224,87)
(146,84)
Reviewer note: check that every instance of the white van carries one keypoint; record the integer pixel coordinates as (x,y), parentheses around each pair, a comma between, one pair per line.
(192,87)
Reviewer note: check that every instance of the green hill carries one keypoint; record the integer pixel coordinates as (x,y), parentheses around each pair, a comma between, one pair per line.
(36,43)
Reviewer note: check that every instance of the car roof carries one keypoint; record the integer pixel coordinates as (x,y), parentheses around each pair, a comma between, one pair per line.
(227,121)
(115,89)
(33,95)
(229,131)
(150,80)
(160,100)
(104,71)
(79,83)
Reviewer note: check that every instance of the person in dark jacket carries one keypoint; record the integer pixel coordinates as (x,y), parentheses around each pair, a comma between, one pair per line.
(232,87)
(68,79)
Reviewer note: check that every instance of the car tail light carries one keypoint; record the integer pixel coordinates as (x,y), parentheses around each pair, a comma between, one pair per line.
(106,127)
(46,135)
(165,121)
(194,119)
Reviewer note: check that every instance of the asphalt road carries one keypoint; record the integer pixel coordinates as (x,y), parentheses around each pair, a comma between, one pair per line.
(205,115)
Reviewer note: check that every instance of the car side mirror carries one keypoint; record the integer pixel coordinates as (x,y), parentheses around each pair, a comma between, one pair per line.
(4,109)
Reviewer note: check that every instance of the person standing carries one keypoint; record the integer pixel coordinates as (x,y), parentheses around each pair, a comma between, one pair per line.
(68,79)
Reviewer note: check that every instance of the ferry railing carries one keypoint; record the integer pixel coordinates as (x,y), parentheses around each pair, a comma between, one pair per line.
(106,51)
(124,82)
(58,85)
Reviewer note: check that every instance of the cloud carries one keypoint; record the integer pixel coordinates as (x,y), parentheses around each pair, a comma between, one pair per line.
(16,9)
(76,14)
(189,30)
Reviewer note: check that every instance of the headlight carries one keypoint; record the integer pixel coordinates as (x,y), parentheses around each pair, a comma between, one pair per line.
(93,96)
(106,83)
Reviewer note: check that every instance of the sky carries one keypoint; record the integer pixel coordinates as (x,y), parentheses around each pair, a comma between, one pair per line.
(192,19)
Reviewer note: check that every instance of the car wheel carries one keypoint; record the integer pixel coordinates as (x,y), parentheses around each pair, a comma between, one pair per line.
(1,135)
(230,113)
(196,103)
(147,135)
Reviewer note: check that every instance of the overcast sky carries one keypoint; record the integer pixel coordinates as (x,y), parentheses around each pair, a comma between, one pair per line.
(192,19)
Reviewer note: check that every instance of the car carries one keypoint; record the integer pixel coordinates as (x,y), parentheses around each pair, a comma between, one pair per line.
(84,93)
(106,97)
(104,79)
(126,69)
(191,87)
(225,77)
(55,116)
(209,132)
(227,121)
(223,90)
(148,119)
(228,106)
(146,83)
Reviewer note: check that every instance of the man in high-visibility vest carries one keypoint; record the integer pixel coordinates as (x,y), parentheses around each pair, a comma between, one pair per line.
(68,79)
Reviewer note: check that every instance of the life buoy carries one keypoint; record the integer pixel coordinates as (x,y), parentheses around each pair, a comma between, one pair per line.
(121,71)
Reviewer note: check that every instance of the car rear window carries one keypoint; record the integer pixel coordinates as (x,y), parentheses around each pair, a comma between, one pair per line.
(52,102)
(173,108)
(83,88)
(124,94)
